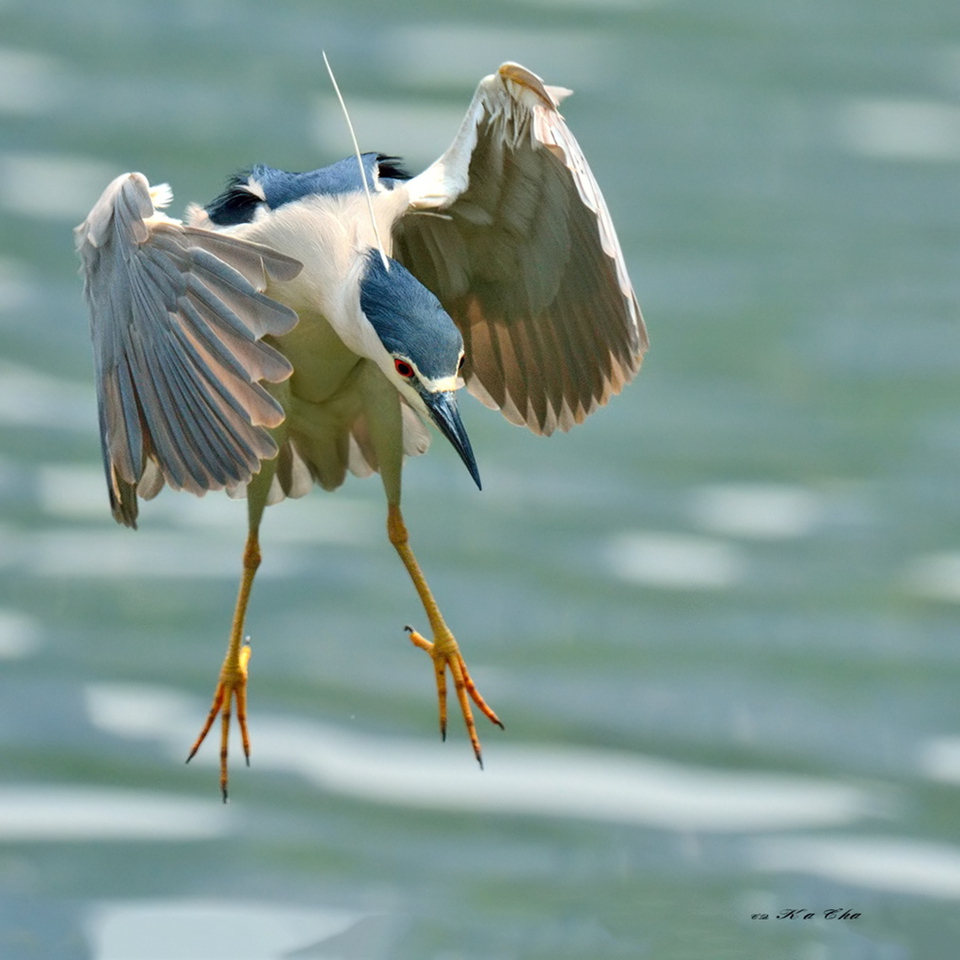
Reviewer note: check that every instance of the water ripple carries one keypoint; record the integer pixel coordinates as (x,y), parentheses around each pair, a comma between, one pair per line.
(204,929)
(57,813)
(533,780)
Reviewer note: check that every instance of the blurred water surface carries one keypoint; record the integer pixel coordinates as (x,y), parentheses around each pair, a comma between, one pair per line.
(720,619)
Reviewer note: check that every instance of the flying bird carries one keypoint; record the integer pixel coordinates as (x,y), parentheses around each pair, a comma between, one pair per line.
(303,325)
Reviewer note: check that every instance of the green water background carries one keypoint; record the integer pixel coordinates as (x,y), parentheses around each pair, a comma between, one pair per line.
(719,619)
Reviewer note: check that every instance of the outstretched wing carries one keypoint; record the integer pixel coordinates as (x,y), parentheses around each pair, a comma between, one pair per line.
(177,317)
(509,229)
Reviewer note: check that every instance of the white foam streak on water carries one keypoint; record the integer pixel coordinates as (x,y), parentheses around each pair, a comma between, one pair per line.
(533,780)
(204,929)
(30,82)
(900,129)
(444,54)
(59,813)
(939,759)
(876,863)
(934,576)
(30,398)
(675,561)
(17,287)
(110,552)
(756,511)
(52,186)
(19,634)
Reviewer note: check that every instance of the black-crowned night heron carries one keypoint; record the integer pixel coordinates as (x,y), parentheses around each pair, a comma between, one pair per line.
(305,324)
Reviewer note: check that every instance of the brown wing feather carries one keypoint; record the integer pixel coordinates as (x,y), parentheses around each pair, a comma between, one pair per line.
(524,257)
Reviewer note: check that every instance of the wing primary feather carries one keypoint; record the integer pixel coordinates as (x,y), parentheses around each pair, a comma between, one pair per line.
(122,421)
(226,457)
(253,261)
(252,443)
(154,413)
(247,399)
(219,362)
(551,372)
(258,359)
(206,457)
(514,384)
(484,356)
(181,429)
(262,315)
(217,432)
(123,508)
(527,389)
(207,425)
(197,316)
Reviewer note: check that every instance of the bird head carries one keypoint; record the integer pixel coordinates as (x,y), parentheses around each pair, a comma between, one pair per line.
(424,346)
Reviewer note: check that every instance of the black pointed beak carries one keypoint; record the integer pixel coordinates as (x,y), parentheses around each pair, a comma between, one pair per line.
(443,410)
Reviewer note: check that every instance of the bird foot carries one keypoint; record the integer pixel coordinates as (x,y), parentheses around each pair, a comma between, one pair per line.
(446,655)
(231,687)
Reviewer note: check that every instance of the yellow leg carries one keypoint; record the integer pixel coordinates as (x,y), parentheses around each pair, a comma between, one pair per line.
(443,649)
(233,674)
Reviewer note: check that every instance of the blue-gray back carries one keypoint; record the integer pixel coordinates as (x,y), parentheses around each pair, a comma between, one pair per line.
(239,201)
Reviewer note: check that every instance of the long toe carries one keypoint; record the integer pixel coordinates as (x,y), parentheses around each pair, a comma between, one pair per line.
(231,687)
(446,656)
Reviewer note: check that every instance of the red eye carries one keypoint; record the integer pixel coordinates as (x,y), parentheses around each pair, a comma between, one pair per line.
(403,368)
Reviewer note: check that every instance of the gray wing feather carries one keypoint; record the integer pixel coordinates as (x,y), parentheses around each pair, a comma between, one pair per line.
(510,230)
(177,316)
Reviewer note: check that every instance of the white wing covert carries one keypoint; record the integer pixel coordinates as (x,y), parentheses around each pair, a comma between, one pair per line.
(509,229)
(177,318)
